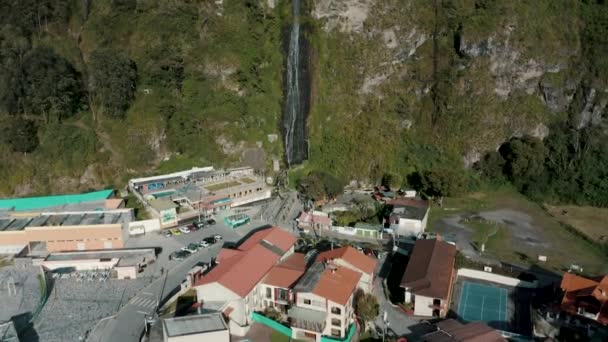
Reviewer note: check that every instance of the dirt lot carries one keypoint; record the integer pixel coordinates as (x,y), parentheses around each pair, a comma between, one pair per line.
(590,221)
(531,232)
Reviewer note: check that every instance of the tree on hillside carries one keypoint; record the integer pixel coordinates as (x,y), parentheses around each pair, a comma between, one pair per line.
(20,134)
(524,159)
(491,166)
(113,78)
(366,307)
(320,185)
(439,182)
(51,86)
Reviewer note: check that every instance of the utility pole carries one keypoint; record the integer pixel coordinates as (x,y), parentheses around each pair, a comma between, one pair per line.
(200,199)
(386,324)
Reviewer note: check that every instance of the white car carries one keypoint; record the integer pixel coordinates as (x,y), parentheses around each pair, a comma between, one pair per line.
(188,249)
(184,230)
(203,244)
(217,237)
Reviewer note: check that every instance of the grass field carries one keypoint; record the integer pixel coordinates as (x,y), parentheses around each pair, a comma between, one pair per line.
(222,186)
(4,262)
(247,180)
(492,235)
(563,247)
(590,221)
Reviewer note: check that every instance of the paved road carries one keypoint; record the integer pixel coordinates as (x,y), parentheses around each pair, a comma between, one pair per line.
(128,324)
(400,324)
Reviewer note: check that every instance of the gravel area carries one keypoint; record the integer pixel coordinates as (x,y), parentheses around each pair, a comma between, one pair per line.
(74,307)
(19,291)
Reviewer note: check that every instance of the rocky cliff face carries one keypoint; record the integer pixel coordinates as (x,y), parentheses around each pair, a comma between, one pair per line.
(464,78)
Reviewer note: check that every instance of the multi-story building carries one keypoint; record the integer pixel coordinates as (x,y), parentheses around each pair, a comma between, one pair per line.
(323,302)
(276,289)
(233,285)
(429,277)
(353,259)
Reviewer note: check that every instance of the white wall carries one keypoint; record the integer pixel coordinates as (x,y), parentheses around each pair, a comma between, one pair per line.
(213,336)
(127,272)
(421,306)
(496,278)
(144,227)
(345,230)
(214,292)
(80,265)
(366,280)
(408,227)
(317,302)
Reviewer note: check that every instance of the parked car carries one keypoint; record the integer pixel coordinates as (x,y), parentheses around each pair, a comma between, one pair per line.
(189,248)
(179,255)
(210,240)
(167,233)
(203,244)
(192,227)
(200,224)
(175,231)
(217,237)
(211,222)
(193,247)
(184,230)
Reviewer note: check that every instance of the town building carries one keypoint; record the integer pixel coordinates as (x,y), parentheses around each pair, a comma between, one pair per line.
(232,285)
(368,230)
(64,231)
(354,260)
(409,217)
(310,221)
(323,304)
(199,191)
(429,277)
(587,297)
(276,287)
(450,330)
(206,327)
(127,263)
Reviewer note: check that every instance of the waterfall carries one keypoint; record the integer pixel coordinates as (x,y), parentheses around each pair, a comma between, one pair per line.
(296,94)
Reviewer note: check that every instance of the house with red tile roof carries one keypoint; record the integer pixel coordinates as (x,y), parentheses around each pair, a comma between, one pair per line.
(323,302)
(232,286)
(276,288)
(586,297)
(355,260)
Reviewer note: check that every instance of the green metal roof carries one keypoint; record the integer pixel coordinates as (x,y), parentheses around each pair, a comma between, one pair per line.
(33,203)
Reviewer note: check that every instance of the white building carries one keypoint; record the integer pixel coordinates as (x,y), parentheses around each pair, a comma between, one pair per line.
(208,327)
(409,217)
(323,304)
(429,277)
(233,285)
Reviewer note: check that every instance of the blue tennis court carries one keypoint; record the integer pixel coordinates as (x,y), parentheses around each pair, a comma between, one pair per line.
(480,302)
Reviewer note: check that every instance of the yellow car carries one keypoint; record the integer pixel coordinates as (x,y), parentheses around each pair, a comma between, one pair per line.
(175,232)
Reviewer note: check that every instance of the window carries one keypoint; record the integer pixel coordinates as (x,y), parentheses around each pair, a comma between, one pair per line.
(336,322)
(335,332)
(268,292)
(436,302)
(283,295)
(336,310)
(307,301)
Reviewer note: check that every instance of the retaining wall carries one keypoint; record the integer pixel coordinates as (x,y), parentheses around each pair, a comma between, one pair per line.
(496,278)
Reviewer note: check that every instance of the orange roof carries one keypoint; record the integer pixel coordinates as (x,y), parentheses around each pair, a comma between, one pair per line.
(226,253)
(282,277)
(240,270)
(590,294)
(352,256)
(337,284)
(295,262)
(275,236)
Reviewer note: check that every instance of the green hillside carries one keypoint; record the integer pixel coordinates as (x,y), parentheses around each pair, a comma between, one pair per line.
(93,92)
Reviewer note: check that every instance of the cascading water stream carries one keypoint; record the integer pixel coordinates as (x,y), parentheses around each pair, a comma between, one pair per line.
(294,112)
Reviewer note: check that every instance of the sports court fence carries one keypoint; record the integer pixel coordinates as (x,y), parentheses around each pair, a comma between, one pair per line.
(496,278)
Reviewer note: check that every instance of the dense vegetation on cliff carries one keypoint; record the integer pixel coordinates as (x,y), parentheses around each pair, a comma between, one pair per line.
(427,87)
(92,92)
